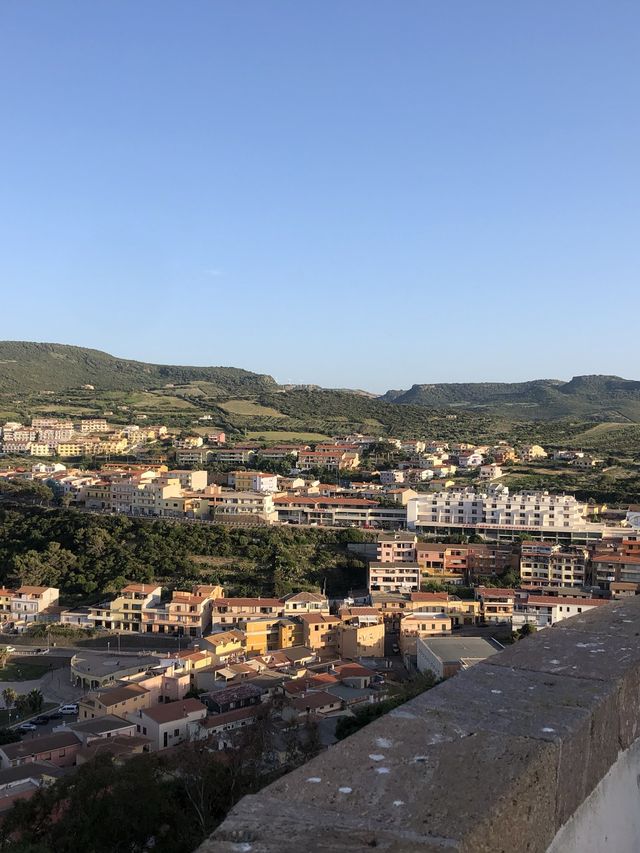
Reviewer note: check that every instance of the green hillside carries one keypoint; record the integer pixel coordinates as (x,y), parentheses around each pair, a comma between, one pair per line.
(27,367)
(601,398)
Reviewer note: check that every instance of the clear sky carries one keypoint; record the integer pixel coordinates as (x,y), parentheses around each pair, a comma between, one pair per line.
(356,193)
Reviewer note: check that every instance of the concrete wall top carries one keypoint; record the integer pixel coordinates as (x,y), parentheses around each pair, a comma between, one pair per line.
(495,760)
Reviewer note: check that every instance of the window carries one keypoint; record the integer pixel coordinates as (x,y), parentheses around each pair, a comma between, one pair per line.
(176,732)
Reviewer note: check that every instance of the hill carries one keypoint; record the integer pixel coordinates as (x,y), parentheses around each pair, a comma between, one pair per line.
(35,367)
(602,398)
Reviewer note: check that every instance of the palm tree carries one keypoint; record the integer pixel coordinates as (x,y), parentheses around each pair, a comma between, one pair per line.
(9,695)
(35,700)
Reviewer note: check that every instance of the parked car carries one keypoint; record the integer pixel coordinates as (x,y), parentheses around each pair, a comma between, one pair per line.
(69,709)
(42,720)
(26,727)
(55,715)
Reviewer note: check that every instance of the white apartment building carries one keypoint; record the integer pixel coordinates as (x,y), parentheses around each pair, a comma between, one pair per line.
(544,610)
(256,504)
(53,435)
(193,455)
(193,481)
(94,425)
(390,478)
(135,496)
(495,509)
(394,577)
(28,603)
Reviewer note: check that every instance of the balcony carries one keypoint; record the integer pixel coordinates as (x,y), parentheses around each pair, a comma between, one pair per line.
(535,751)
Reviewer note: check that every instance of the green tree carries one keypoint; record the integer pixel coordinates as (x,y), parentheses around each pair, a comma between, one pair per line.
(35,701)
(9,695)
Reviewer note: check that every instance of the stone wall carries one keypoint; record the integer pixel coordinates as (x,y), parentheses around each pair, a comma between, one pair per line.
(499,759)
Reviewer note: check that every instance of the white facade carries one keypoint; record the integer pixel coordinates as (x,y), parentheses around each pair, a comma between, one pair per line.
(538,510)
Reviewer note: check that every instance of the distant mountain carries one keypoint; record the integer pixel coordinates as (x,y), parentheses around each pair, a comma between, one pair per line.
(35,367)
(596,397)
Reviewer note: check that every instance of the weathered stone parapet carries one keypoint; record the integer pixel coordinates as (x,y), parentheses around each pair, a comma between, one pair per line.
(496,759)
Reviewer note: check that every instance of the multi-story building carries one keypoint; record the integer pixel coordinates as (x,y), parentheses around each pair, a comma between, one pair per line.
(617,565)
(393,577)
(143,494)
(253,481)
(396,547)
(229,612)
(361,632)
(168,724)
(546,564)
(459,563)
(39,448)
(497,604)
(499,514)
(544,610)
(120,700)
(90,425)
(124,613)
(257,505)
(188,442)
(531,452)
(390,478)
(422,624)
(193,455)
(55,436)
(193,481)
(331,458)
(461,611)
(29,603)
(337,511)
(320,632)
(50,423)
(305,602)
(234,455)
(185,614)
(71,449)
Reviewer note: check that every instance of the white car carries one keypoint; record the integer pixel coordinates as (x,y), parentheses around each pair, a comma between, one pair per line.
(68,709)
(27,727)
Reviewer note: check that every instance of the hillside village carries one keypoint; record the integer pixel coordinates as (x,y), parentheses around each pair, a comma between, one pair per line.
(457,565)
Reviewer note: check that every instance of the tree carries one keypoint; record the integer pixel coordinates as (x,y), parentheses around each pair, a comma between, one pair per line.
(9,695)
(21,705)
(35,701)
(9,736)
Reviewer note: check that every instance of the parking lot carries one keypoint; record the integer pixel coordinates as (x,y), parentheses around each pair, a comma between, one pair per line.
(47,728)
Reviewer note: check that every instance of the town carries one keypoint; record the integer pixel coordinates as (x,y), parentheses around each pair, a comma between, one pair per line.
(457,567)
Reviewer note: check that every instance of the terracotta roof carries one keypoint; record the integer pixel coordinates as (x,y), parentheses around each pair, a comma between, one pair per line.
(429,596)
(248,602)
(38,745)
(314,701)
(115,695)
(32,590)
(318,618)
(553,600)
(170,711)
(145,588)
(217,720)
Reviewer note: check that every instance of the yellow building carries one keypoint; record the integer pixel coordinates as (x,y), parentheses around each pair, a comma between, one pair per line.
(320,632)
(225,644)
(120,700)
(415,625)
(262,635)
(361,633)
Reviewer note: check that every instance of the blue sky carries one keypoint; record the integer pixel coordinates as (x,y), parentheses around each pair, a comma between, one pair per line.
(363,193)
